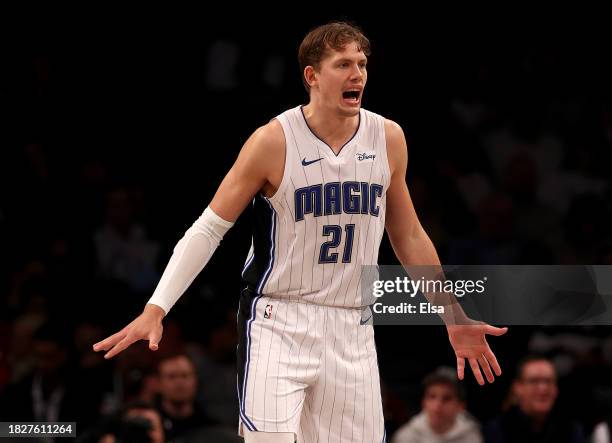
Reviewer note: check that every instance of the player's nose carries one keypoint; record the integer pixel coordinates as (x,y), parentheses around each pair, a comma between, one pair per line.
(356,72)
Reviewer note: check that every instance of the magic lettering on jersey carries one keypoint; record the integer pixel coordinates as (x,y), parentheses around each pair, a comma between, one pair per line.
(349,197)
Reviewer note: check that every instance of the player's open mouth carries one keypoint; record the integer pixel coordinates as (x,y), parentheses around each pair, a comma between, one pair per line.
(351,96)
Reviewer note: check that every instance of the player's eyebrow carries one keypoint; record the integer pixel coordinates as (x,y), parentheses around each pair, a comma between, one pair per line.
(345,59)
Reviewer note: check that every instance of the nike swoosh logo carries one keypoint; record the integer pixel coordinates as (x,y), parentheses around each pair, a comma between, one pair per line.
(364,322)
(306,163)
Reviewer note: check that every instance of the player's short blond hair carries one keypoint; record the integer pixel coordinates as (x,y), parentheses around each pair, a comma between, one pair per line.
(334,35)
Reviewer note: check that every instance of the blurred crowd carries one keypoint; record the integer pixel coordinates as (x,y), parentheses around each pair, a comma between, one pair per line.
(110,156)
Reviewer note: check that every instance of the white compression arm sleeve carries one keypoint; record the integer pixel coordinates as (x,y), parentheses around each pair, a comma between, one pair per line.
(191,254)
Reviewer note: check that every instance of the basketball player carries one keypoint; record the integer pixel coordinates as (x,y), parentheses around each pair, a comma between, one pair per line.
(325,180)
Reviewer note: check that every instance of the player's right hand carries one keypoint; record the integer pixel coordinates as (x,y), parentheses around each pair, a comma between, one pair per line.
(147,326)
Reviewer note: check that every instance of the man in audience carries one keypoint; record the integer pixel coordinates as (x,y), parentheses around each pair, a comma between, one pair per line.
(443,418)
(137,422)
(178,385)
(534,418)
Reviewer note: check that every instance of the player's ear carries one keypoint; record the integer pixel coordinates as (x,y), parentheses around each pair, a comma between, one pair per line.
(310,74)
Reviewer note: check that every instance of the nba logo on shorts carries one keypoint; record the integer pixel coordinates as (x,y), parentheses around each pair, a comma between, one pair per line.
(268,311)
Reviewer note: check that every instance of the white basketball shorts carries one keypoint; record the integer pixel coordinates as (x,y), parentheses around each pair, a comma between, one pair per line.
(307,369)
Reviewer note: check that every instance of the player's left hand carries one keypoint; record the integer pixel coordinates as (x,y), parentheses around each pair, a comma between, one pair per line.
(470,342)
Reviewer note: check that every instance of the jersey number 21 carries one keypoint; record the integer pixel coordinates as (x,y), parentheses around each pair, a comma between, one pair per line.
(325,256)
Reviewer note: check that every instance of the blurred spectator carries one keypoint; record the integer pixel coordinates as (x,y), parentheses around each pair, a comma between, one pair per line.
(495,241)
(443,418)
(28,287)
(586,227)
(222,59)
(514,138)
(137,422)
(535,220)
(601,433)
(123,249)
(395,410)
(534,418)
(134,377)
(216,368)
(138,416)
(20,355)
(178,384)
(49,393)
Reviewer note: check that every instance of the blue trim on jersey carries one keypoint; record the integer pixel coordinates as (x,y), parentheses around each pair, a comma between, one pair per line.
(268,271)
(248,263)
(243,417)
(248,423)
(249,260)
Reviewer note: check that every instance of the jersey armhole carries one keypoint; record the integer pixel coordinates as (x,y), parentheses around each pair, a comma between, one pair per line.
(385,153)
(283,184)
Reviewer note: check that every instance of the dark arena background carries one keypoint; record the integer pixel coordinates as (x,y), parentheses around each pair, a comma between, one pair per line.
(115,135)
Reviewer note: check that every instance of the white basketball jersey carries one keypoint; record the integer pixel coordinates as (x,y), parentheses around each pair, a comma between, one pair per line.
(326,219)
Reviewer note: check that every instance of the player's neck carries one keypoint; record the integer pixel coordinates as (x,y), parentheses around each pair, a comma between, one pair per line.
(331,127)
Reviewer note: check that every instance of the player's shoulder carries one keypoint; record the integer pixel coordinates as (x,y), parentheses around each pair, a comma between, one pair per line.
(395,138)
(263,152)
(393,129)
(270,135)
(269,138)
(271,132)
(397,149)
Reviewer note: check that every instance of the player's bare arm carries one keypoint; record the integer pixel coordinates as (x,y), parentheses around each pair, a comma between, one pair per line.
(259,167)
(412,246)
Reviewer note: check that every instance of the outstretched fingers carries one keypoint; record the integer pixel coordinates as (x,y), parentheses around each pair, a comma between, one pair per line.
(476,371)
(154,339)
(460,368)
(493,330)
(122,345)
(109,342)
(493,361)
(484,364)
